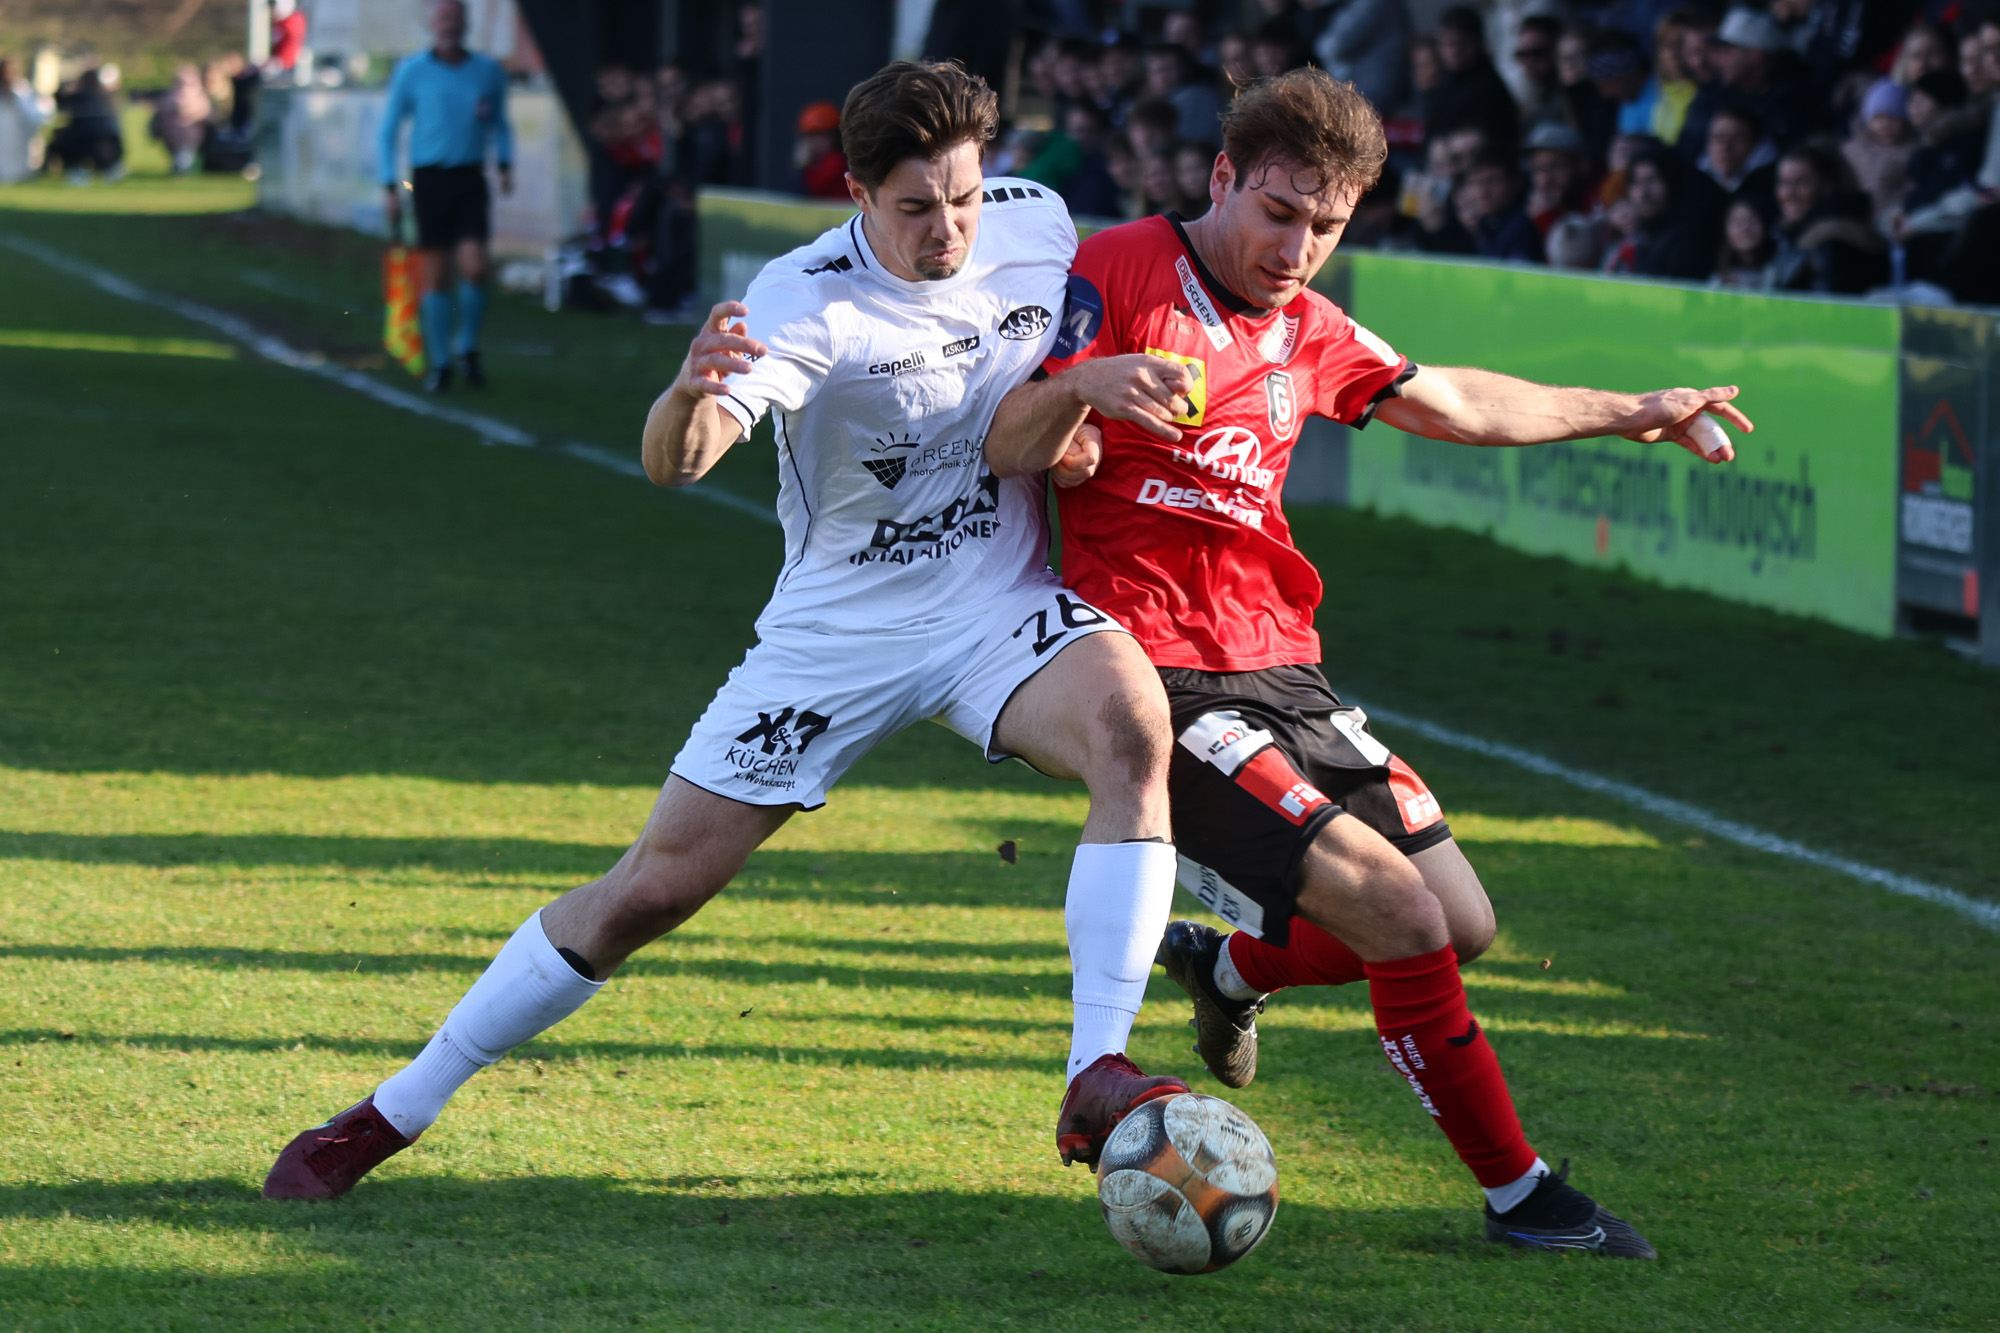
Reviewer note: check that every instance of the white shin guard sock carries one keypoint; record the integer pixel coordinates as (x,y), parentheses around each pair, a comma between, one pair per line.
(1119,897)
(1505,1197)
(526,989)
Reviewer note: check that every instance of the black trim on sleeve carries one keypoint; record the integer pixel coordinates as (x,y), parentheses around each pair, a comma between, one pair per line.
(1393,389)
(1037,375)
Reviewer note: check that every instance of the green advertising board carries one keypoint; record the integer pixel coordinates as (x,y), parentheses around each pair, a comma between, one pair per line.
(1804,520)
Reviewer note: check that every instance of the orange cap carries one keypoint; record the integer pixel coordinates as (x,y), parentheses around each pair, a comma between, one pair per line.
(819,118)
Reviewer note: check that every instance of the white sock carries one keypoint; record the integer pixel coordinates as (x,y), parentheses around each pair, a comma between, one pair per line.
(1228,980)
(1116,911)
(1504,1197)
(524,990)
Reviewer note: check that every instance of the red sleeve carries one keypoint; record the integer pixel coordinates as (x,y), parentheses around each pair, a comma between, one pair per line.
(1357,370)
(1089,328)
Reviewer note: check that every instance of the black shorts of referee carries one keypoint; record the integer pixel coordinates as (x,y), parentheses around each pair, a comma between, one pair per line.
(1263,761)
(453,205)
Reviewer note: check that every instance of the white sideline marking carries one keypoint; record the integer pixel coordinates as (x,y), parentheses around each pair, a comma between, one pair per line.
(490,430)
(1693,816)
(494,431)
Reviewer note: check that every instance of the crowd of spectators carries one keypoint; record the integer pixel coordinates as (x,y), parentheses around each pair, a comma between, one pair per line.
(202,119)
(1814,145)
(657,136)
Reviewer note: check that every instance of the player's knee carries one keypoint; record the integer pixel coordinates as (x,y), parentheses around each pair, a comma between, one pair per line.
(663,884)
(1131,742)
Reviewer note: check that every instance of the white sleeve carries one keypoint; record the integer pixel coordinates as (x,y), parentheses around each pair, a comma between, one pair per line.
(790,319)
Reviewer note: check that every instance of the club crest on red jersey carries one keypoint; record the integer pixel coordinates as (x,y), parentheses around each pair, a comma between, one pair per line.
(1280,403)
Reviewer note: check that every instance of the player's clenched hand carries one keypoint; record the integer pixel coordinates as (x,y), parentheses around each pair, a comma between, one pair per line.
(1676,414)
(1079,462)
(1148,391)
(721,349)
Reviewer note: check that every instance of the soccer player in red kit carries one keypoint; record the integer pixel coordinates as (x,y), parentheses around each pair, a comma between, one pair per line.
(1189,354)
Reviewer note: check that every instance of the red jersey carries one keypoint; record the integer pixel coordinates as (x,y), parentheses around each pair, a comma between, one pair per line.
(1185,543)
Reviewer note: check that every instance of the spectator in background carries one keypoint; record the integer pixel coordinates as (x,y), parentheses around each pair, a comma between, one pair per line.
(20,118)
(1535,53)
(1951,139)
(1182,28)
(1367,43)
(1488,202)
(1738,157)
(1124,167)
(1748,250)
(1469,90)
(715,136)
(1757,71)
(1116,78)
(1618,67)
(1825,242)
(90,140)
(1162,187)
(180,120)
(1175,79)
(1594,115)
(1233,53)
(1152,128)
(1555,176)
(1424,70)
(1927,47)
(816,152)
(1677,216)
(1275,48)
(1194,164)
(1673,83)
(288,40)
(1879,148)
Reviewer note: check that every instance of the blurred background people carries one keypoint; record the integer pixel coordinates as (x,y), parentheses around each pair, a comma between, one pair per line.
(180,118)
(89,139)
(816,152)
(21,119)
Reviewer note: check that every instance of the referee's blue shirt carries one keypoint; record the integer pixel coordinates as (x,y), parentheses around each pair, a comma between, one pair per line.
(453,110)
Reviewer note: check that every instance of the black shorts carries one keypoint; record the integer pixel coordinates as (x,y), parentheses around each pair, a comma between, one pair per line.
(452,206)
(1264,760)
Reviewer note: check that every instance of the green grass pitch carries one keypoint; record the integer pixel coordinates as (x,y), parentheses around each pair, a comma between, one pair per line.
(305,703)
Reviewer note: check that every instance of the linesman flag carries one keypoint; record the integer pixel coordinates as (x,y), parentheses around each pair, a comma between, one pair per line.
(402,332)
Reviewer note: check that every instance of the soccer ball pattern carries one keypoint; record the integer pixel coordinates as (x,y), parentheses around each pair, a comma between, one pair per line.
(1188,1184)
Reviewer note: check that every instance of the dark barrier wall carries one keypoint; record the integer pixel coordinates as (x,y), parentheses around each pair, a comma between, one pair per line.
(1858,498)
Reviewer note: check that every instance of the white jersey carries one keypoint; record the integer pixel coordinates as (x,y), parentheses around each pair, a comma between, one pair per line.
(883,391)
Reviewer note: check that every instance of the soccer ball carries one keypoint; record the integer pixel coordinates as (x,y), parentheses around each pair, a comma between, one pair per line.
(1188,1184)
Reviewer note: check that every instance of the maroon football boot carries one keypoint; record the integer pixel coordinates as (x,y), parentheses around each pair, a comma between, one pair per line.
(327,1160)
(1098,1099)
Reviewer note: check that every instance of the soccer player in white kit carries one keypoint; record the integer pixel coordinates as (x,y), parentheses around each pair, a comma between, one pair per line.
(915,586)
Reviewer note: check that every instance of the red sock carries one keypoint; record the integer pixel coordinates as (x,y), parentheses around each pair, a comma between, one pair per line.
(1432,1040)
(1313,958)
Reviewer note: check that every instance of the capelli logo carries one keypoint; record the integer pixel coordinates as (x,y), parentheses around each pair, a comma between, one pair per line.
(914,361)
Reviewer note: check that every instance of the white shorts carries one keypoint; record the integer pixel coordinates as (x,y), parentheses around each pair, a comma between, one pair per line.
(804,706)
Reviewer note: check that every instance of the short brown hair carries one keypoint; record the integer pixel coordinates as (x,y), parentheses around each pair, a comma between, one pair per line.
(911,109)
(1310,120)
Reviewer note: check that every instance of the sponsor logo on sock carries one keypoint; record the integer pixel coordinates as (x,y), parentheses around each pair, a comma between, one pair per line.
(1471,1031)
(1395,1054)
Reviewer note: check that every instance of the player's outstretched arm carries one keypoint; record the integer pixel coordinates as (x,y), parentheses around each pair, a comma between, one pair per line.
(1469,406)
(1032,430)
(687,430)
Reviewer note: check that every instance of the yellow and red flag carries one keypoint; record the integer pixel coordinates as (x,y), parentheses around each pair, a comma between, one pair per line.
(402,331)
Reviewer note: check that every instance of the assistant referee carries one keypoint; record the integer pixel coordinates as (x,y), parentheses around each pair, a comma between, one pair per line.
(456,102)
